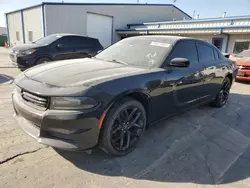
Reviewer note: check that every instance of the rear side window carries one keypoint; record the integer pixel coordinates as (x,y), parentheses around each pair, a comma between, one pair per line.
(185,49)
(85,42)
(94,43)
(206,53)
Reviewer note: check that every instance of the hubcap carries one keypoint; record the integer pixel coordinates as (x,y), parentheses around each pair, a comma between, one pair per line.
(224,93)
(127,128)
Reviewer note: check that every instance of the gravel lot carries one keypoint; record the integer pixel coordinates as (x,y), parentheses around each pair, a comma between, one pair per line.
(204,147)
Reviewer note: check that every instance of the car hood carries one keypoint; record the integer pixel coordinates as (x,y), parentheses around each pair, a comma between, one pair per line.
(88,72)
(22,47)
(243,61)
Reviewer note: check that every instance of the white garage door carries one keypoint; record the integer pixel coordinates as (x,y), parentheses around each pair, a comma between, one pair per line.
(100,27)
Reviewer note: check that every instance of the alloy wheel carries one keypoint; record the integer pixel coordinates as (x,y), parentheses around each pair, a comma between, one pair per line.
(224,92)
(127,128)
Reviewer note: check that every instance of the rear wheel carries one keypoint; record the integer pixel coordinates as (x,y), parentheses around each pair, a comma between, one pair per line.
(123,127)
(223,95)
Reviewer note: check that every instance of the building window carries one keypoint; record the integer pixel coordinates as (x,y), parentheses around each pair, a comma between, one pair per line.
(17,36)
(30,36)
(239,46)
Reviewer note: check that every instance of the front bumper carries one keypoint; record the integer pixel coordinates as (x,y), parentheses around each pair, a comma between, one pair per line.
(243,74)
(69,130)
(22,61)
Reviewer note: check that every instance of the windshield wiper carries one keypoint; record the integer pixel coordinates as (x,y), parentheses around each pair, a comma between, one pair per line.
(113,60)
(118,61)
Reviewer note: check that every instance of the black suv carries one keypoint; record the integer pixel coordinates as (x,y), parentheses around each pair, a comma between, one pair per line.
(54,47)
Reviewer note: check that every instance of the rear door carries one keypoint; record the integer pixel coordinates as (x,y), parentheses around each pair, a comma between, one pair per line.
(210,59)
(85,46)
(63,48)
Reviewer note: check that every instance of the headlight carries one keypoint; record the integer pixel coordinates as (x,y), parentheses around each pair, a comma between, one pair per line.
(73,103)
(17,89)
(26,52)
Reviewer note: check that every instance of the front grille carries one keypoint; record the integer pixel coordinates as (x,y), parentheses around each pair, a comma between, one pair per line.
(245,67)
(36,101)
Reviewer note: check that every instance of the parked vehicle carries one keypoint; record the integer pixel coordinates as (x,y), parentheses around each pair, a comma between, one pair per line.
(243,62)
(54,47)
(109,99)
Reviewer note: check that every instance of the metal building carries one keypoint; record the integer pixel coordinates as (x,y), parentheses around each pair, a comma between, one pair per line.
(89,19)
(229,34)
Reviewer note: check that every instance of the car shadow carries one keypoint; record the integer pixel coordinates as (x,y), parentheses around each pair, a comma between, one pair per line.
(204,145)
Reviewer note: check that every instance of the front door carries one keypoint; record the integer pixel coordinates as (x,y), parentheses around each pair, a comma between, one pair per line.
(188,81)
(218,42)
(180,87)
(63,48)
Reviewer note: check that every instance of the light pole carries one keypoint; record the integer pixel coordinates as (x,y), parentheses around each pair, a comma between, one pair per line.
(194,14)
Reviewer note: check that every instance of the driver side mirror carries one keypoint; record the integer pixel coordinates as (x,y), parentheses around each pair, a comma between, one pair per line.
(179,62)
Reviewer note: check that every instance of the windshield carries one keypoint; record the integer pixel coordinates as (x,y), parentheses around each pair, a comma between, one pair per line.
(47,40)
(145,52)
(245,53)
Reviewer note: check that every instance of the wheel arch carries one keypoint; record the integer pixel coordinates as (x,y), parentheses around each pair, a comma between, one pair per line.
(44,56)
(139,95)
(230,76)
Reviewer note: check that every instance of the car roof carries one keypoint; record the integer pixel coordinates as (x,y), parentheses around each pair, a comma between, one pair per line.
(169,37)
(70,34)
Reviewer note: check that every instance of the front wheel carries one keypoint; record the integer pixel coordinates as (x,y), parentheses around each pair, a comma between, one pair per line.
(123,127)
(223,95)
(42,60)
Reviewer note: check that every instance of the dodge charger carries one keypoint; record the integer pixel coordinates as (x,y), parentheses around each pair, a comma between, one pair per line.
(108,100)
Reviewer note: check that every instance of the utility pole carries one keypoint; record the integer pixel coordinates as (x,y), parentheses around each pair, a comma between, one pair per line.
(194,14)
(198,16)
(138,1)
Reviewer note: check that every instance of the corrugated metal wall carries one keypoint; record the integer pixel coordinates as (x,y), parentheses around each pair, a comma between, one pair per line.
(72,18)
(15,25)
(33,22)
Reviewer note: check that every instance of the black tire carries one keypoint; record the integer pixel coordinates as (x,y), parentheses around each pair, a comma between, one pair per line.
(42,60)
(116,129)
(223,94)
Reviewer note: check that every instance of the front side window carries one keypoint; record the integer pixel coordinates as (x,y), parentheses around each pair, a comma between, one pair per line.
(206,52)
(185,49)
(145,52)
(48,40)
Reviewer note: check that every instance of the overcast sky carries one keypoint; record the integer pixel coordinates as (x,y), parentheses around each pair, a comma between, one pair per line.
(205,8)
